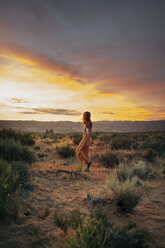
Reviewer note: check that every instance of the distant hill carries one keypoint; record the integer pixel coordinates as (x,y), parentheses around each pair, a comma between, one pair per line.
(69,126)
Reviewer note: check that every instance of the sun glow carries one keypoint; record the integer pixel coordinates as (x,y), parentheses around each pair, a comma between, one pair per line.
(26,86)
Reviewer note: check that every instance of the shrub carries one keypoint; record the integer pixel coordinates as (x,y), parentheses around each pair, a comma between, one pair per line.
(121,143)
(144,171)
(65,151)
(108,159)
(76,140)
(27,139)
(62,220)
(140,169)
(75,135)
(124,171)
(24,138)
(41,155)
(99,233)
(76,218)
(149,155)
(156,143)
(9,180)
(13,205)
(129,236)
(95,135)
(22,169)
(125,192)
(66,220)
(11,150)
(105,137)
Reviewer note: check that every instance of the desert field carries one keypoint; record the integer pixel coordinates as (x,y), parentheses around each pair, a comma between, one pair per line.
(47,200)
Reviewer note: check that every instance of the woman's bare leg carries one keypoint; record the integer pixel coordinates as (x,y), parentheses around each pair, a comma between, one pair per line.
(82,157)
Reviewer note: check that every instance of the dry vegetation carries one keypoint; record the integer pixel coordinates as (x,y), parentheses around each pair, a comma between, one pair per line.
(47,200)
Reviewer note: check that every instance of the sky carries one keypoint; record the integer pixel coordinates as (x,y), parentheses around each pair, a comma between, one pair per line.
(59,58)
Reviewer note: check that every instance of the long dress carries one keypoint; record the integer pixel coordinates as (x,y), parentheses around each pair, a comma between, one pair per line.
(82,151)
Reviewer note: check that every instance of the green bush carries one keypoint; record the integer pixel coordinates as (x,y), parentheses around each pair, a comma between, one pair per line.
(154,144)
(22,169)
(65,151)
(106,137)
(11,150)
(76,218)
(140,169)
(24,138)
(125,192)
(65,220)
(144,170)
(149,155)
(61,220)
(97,232)
(124,171)
(27,139)
(124,143)
(9,180)
(108,159)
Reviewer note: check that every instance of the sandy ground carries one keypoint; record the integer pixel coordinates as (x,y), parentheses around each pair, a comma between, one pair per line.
(57,190)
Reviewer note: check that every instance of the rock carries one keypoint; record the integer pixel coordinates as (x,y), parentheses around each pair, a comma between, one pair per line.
(89,197)
(28,212)
(48,198)
(37,148)
(65,163)
(98,201)
(138,183)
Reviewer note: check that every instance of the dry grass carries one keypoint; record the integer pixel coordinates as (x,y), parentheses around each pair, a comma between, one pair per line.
(62,192)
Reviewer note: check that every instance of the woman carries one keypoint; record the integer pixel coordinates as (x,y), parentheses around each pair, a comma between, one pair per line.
(82,151)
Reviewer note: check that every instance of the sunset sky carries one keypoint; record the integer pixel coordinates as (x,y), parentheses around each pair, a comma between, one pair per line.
(59,58)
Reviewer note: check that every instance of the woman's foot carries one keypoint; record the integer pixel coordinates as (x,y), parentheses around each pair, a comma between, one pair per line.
(89,164)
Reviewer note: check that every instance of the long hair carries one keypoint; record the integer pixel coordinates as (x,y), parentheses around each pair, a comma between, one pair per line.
(87,119)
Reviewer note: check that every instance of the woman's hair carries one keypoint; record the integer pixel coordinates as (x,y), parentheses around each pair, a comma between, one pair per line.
(87,119)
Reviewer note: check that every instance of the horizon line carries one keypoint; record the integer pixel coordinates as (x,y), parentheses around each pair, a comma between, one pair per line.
(92,121)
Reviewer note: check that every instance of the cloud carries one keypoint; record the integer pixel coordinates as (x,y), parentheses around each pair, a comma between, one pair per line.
(28,113)
(107,113)
(2,106)
(52,111)
(113,46)
(31,58)
(17,100)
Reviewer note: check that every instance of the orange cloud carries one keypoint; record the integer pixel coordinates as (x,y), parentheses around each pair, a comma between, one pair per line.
(28,57)
(32,69)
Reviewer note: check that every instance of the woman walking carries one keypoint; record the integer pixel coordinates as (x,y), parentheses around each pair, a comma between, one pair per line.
(82,151)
